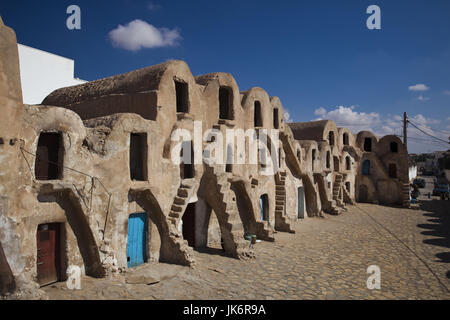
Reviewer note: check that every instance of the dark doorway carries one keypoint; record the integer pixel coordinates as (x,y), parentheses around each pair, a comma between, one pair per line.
(336,164)
(363,193)
(394,147)
(137,239)
(264,207)
(313,158)
(138,156)
(276,120)
(345,139)
(49,156)
(368,144)
(257,115)
(48,263)
(331,138)
(347,186)
(392,170)
(328,160)
(189,224)
(187,160)
(225,103)
(182,95)
(366,168)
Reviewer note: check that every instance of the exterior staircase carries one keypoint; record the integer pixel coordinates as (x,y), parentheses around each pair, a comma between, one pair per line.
(337,187)
(180,203)
(225,206)
(281,220)
(405,195)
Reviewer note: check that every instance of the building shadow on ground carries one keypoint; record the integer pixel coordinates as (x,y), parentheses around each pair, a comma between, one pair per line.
(438,227)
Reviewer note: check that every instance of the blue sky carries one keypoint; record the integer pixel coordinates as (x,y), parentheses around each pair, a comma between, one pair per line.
(317,56)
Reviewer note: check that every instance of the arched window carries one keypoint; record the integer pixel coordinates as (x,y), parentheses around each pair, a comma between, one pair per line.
(331,138)
(299,155)
(347,163)
(336,164)
(366,168)
(393,147)
(345,139)
(313,157)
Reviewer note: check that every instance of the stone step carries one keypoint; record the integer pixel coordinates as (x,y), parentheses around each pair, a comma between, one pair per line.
(176,208)
(278,187)
(280,192)
(279,208)
(179,200)
(280,198)
(279,202)
(183,193)
(174,214)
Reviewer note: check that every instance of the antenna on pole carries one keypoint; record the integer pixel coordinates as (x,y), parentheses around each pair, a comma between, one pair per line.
(405,134)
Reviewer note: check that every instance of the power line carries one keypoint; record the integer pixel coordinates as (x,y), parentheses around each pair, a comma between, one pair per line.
(434,137)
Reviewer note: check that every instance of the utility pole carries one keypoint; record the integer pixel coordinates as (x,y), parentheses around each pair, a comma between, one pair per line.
(405,134)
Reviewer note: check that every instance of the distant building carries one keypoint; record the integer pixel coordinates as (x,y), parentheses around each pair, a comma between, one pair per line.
(43,72)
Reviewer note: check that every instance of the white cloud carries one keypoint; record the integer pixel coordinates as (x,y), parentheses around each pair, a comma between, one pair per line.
(347,117)
(287,117)
(139,34)
(447,92)
(320,112)
(388,124)
(418,87)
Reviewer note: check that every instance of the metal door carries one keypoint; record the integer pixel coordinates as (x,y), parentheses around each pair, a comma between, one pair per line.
(46,254)
(137,239)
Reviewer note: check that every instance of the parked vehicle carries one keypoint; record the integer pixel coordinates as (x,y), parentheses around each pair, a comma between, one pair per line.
(420,182)
(442,190)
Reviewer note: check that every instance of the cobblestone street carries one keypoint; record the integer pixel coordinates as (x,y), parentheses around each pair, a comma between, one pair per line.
(327,258)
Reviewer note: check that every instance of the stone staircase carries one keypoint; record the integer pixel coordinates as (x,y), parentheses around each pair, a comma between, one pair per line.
(405,195)
(281,220)
(337,187)
(228,215)
(180,202)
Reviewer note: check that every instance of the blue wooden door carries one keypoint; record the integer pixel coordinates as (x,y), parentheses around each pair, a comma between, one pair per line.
(301,203)
(137,239)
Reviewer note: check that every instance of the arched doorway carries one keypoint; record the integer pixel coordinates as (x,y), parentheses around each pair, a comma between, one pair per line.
(366,168)
(301,203)
(392,170)
(363,193)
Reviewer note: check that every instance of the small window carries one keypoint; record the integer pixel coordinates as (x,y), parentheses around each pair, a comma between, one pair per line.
(49,156)
(276,120)
(279,157)
(225,103)
(182,96)
(345,139)
(368,144)
(264,207)
(331,138)
(299,155)
(257,116)
(138,156)
(394,147)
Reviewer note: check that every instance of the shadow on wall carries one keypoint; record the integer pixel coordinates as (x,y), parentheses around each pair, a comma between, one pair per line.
(438,226)
(7,283)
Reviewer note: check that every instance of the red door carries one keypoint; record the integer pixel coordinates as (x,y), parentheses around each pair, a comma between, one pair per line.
(46,253)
